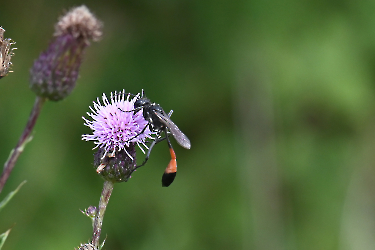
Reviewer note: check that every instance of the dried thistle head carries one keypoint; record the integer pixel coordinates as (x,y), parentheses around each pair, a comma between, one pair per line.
(6,54)
(80,23)
(55,72)
(87,246)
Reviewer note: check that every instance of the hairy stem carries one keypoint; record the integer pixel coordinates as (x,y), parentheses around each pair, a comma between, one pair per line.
(24,139)
(104,198)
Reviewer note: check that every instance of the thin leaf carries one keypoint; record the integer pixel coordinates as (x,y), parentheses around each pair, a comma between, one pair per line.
(10,196)
(3,237)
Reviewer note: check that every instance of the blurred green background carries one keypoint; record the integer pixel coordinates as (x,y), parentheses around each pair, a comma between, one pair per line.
(277,99)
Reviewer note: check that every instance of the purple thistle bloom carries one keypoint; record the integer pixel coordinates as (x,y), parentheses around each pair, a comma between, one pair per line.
(113,128)
(115,133)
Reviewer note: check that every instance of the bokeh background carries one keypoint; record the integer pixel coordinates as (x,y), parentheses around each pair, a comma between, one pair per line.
(277,98)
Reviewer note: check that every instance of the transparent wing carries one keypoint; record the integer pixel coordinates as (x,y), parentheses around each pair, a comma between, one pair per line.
(180,137)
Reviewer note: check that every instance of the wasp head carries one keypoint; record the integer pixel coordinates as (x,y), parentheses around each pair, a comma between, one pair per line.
(141,102)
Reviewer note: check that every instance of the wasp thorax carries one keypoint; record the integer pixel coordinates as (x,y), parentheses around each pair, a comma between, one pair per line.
(116,166)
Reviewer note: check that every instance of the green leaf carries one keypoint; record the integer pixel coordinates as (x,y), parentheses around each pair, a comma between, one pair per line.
(3,237)
(101,246)
(10,196)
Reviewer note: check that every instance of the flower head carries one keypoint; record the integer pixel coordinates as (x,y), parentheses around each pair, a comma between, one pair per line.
(81,24)
(116,130)
(55,72)
(114,127)
(6,54)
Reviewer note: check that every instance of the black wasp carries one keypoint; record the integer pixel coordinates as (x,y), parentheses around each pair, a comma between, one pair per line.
(159,121)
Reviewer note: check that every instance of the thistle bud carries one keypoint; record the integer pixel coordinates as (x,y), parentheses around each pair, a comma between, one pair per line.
(6,54)
(90,211)
(116,167)
(55,72)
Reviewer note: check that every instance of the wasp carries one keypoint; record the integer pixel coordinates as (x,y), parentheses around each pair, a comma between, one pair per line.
(159,122)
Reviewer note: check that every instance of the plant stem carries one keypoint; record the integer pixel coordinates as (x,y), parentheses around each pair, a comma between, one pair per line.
(104,198)
(24,139)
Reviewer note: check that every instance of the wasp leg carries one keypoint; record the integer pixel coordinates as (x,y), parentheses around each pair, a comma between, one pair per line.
(157,140)
(133,110)
(143,130)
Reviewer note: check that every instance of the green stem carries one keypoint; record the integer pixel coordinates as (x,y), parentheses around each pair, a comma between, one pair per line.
(24,139)
(104,198)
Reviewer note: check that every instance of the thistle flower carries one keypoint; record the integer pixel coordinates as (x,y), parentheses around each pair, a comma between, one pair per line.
(116,132)
(6,54)
(55,72)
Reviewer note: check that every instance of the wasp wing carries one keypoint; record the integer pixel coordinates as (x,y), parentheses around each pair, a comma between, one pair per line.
(180,137)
